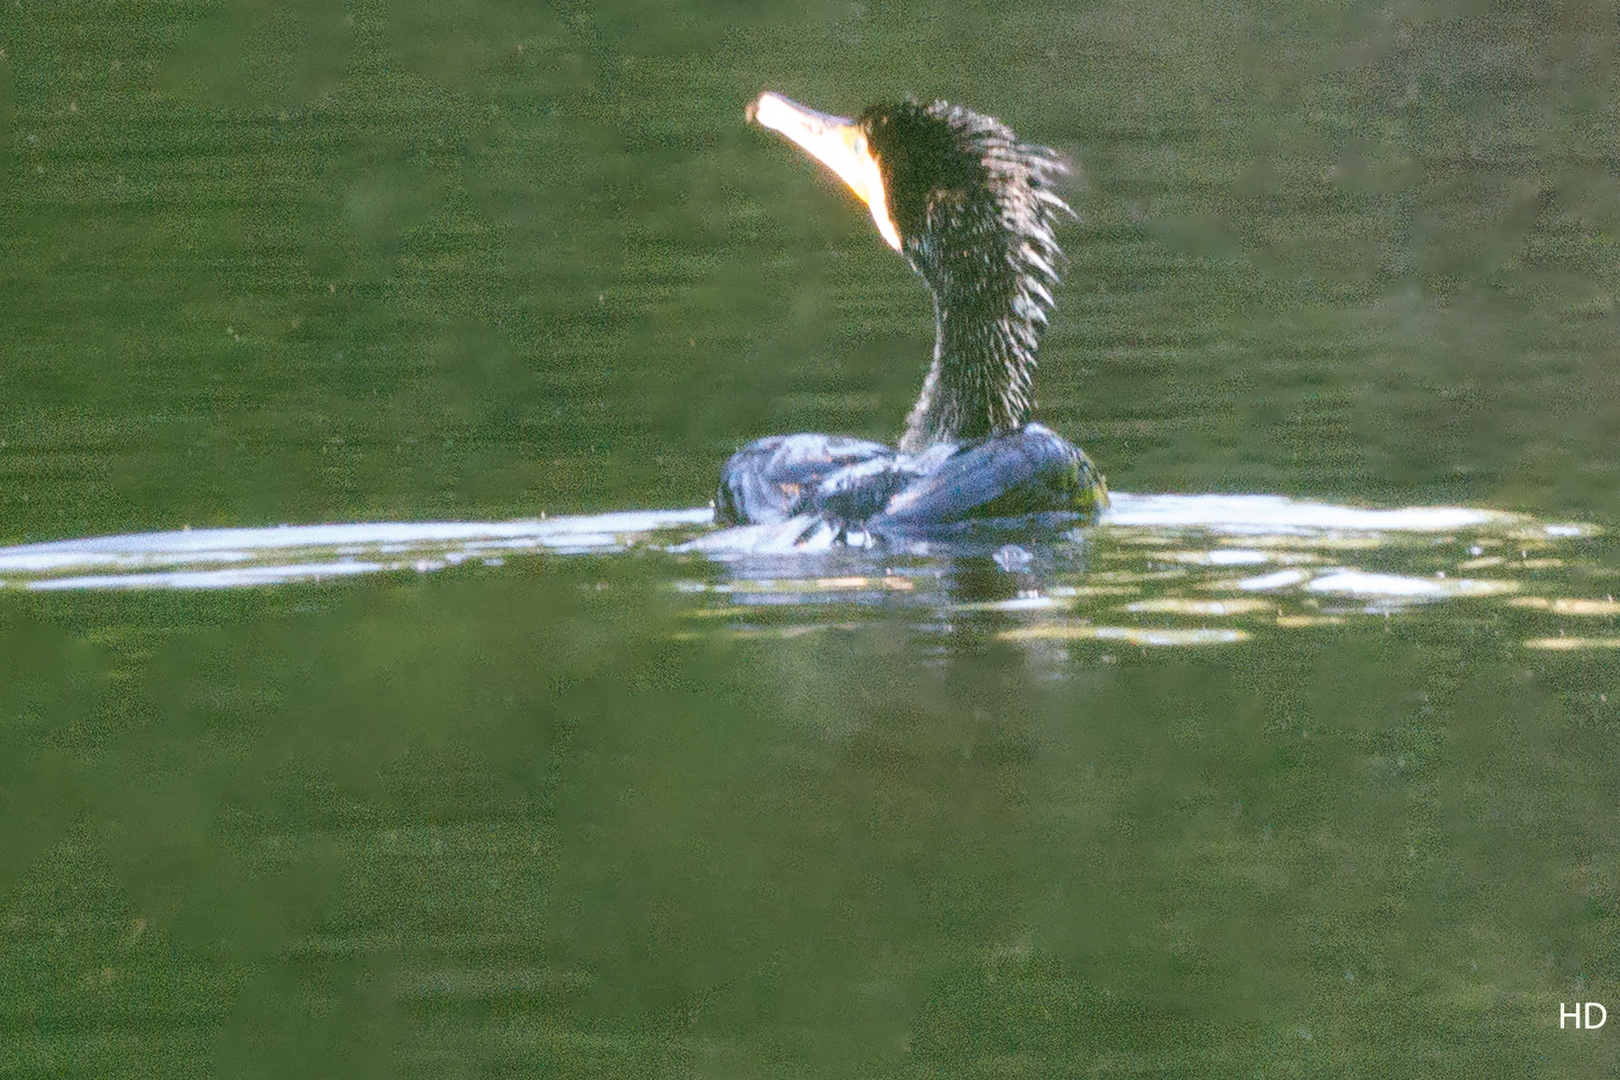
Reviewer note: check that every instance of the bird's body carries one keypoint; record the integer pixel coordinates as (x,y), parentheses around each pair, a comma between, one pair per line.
(969,207)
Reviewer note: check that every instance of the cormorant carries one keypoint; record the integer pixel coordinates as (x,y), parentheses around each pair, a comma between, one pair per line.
(970,207)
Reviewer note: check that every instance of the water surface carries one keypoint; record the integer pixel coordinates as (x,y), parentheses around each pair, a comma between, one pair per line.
(505,780)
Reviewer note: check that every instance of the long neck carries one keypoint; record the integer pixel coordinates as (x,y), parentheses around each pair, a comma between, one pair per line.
(987,332)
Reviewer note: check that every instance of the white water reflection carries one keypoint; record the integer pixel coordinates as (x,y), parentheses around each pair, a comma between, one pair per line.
(1274,514)
(1394,586)
(1160,561)
(234,558)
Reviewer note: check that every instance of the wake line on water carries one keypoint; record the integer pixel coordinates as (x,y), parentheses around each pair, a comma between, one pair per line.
(251,557)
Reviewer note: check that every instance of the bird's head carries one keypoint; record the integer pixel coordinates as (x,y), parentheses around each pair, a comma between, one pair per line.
(954,191)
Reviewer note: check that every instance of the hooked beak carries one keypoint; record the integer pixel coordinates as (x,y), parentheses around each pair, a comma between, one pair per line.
(838,143)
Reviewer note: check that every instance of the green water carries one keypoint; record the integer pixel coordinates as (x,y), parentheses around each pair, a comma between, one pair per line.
(645,815)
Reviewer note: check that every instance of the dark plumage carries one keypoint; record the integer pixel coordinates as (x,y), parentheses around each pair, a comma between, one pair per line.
(970,207)
(975,217)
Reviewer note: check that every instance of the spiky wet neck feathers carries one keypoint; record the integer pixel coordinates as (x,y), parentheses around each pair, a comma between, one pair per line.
(975,216)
